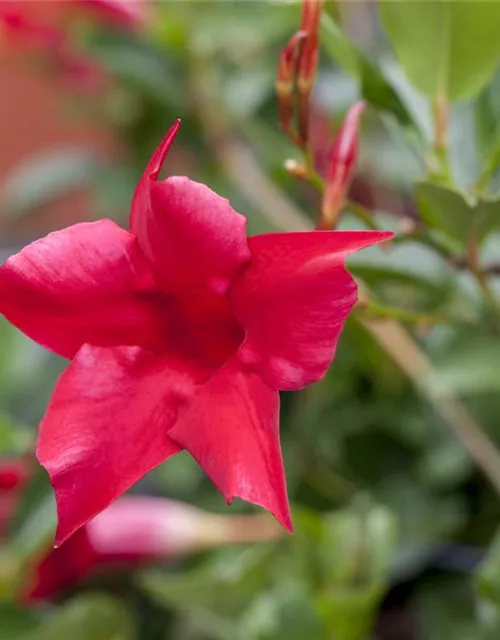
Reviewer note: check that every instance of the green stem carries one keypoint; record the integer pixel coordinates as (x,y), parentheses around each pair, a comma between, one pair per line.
(378,310)
(363,213)
(440,166)
(490,167)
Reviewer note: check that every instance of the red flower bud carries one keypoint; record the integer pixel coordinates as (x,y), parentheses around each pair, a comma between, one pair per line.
(311,15)
(308,62)
(342,159)
(285,80)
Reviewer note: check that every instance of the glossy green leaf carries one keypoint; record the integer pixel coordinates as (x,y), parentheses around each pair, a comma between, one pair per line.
(375,88)
(446,47)
(452,213)
(444,209)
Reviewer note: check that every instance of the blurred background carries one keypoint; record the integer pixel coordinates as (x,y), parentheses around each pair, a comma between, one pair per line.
(391,460)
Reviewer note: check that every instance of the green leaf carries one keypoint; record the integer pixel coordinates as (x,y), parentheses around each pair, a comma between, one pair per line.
(361,544)
(223,587)
(488,574)
(446,47)
(444,209)
(471,368)
(32,529)
(43,179)
(90,617)
(451,212)
(375,88)
(16,623)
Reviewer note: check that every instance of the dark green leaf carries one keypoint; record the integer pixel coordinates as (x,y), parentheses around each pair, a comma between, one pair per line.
(16,623)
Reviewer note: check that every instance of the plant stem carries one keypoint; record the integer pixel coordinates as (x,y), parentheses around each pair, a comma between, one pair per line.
(480,276)
(490,167)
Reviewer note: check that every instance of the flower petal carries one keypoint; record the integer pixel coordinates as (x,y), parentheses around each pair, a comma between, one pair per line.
(86,283)
(293,300)
(191,236)
(231,428)
(106,426)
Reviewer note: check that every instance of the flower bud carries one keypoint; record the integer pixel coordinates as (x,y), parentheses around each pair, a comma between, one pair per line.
(308,62)
(342,160)
(285,79)
(138,529)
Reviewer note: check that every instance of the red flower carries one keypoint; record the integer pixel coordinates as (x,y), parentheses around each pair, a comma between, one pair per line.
(14,473)
(23,31)
(180,333)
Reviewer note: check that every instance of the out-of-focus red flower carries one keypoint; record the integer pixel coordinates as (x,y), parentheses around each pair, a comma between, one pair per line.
(14,473)
(135,531)
(16,27)
(341,164)
(127,13)
(24,32)
(180,332)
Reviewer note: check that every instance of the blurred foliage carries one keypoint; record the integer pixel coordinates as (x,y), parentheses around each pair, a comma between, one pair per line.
(392,509)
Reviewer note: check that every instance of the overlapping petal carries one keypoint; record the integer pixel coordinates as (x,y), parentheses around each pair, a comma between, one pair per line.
(231,428)
(293,300)
(192,237)
(87,283)
(106,426)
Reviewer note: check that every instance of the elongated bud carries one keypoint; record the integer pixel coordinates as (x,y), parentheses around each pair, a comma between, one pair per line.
(341,163)
(286,77)
(308,62)
(139,529)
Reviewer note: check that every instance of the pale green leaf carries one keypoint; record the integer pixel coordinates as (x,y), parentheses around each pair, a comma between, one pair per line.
(446,47)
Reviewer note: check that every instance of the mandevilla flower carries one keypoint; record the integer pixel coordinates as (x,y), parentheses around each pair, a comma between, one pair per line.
(181,331)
